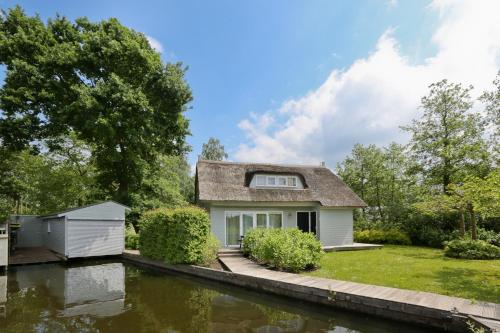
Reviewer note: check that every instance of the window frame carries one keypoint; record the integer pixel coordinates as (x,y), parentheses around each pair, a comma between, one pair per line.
(309,213)
(276,181)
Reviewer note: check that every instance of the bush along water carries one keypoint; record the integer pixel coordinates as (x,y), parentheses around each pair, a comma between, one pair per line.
(284,249)
(391,236)
(178,236)
(466,248)
(131,238)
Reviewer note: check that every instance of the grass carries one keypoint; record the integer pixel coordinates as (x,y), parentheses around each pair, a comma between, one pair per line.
(416,268)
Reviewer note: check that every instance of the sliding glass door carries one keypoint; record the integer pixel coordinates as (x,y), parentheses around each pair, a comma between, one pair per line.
(239,223)
(247,222)
(232,229)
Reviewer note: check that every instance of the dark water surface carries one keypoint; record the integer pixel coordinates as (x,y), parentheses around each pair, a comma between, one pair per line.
(111,296)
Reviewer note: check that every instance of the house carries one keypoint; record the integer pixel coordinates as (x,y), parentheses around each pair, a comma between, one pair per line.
(242,196)
(93,230)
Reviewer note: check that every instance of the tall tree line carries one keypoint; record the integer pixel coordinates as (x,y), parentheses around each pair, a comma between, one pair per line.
(446,175)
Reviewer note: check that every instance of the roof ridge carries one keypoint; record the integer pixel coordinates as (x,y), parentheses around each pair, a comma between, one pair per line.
(267,164)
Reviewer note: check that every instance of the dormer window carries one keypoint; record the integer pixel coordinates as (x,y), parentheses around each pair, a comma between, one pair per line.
(276,181)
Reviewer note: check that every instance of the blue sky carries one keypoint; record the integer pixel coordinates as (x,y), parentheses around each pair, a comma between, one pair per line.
(249,59)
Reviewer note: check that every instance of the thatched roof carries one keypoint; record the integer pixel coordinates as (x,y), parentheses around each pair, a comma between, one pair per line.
(228,181)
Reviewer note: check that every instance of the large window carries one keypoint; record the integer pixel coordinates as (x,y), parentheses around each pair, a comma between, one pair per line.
(275,181)
(238,223)
(275,220)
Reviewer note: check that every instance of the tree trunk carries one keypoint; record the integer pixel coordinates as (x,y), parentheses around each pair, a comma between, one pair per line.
(462,224)
(379,203)
(18,201)
(122,193)
(473,222)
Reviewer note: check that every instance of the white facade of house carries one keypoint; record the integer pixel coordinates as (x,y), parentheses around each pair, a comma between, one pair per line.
(242,196)
(334,226)
(95,230)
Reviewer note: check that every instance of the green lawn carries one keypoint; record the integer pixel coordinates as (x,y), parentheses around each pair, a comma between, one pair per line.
(417,268)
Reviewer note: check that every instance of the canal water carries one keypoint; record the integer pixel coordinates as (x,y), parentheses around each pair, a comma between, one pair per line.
(111,296)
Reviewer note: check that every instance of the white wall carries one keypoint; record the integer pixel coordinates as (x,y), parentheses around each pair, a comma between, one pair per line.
(87,238)
(336,226)
(4,250)
(30,232)
(54,239)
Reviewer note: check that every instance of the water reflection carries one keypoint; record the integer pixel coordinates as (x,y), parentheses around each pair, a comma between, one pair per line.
(113,297)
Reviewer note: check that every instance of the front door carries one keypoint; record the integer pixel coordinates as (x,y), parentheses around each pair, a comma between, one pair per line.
(306,221)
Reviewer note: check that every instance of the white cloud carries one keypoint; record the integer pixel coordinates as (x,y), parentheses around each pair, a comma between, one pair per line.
(392,3)
(155,44)
(368,101)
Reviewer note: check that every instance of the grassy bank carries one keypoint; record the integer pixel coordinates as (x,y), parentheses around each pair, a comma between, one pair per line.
(416,268)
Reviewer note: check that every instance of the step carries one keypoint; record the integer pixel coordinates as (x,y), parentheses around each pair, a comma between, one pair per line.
(231,254)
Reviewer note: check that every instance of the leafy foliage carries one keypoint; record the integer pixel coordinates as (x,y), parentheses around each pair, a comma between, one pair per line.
(284,249)
(101,81)
(39,184)
(378,176)
(489,236)
(177,236)
(446,178)
(492,101)
(131,239)
(447,140)
(213,150)
(471,249)
(390,236)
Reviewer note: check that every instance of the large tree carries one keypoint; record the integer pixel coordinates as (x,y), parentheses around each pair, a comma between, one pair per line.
(101,81)
(492,102)
(447,140)
(213,150)
(379,177)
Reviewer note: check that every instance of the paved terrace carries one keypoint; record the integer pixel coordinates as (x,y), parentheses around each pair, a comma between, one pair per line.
(426,309)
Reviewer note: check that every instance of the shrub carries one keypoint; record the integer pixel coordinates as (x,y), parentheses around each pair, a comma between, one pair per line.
(210,250)
(489,236)
(131,238)
(176,236)
(471,249)
(391,236)
(250,240)
(284,249)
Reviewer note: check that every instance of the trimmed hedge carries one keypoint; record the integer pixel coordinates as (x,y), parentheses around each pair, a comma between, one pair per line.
(375,236)
(177,236)
(284,249)
(471,249)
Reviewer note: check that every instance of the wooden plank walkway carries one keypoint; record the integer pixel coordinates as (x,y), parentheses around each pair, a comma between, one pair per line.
(32,255)
(411,300)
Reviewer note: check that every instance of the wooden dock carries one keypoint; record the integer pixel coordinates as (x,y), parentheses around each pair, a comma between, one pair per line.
(33,255)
